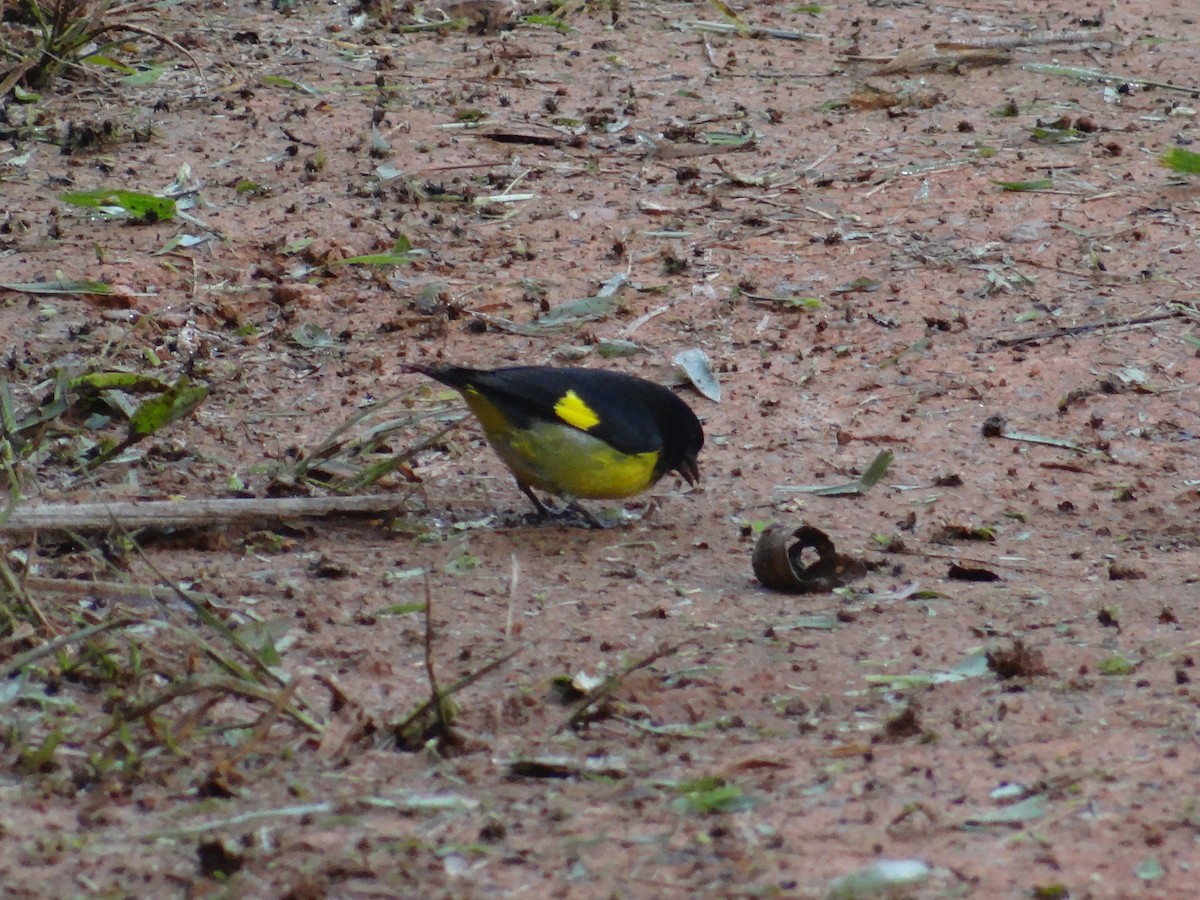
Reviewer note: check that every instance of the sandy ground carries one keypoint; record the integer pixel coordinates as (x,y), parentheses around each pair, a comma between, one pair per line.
(833,231)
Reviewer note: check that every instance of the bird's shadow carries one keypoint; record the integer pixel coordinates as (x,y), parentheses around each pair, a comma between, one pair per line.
(571,515)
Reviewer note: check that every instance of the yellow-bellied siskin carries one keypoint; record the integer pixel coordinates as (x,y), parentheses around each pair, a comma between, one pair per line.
(579,433)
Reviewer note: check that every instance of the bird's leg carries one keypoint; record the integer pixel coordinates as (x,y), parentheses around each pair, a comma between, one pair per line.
(541,507)
(587,516)
(575,506)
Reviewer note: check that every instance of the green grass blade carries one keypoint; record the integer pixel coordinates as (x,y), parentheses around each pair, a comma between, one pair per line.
(1184,161)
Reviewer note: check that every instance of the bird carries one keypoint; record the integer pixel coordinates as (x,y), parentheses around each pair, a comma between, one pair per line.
(578,433)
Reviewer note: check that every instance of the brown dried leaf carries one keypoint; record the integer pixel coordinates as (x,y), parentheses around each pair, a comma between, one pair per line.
(941,56)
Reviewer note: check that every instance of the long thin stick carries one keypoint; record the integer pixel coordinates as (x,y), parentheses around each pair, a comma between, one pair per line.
(1087,328)
(92,517)
(435,693)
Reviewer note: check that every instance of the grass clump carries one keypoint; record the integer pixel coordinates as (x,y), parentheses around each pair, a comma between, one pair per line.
(40,39)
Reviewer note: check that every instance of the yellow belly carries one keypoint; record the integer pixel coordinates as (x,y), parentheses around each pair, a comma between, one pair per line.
(571,464)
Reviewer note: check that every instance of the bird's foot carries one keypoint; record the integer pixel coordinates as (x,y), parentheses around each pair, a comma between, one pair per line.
(572,515)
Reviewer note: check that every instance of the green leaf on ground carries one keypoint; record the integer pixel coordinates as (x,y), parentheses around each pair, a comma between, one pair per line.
(586,309)
(1039,184)
(1030,808)
(1179,160)
(724,9)
(401,254)
(614,348)
(711,795)
(175,403)
(277,81)
(797,302)
(875,471)
(1053,891)
(99,59)
(974,665)
(696,365)
(401,609)
(95,382)
(1044,135)
(147,75)
(1116,664)
(462,563)
(145,207)
(729,138)
(547,22)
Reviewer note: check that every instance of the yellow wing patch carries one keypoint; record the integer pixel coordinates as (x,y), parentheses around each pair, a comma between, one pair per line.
(572,409)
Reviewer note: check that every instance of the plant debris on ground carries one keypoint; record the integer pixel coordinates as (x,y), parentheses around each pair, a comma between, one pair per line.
(271,621)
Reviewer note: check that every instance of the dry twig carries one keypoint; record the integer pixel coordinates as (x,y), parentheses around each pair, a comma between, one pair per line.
(614,681)
(92,517)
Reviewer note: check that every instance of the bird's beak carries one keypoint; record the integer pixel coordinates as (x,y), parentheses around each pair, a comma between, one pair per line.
(689,468)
